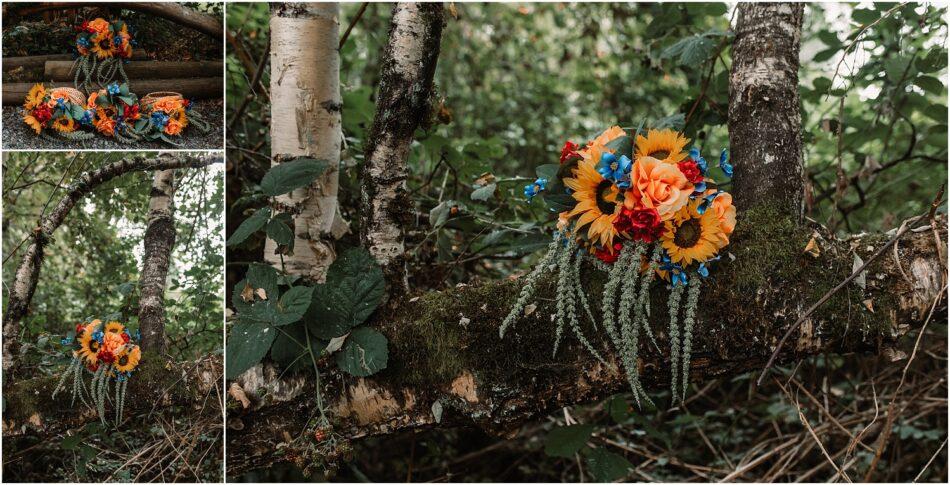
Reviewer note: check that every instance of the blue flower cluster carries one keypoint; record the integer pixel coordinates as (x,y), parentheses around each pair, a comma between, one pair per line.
(534,188)
(615,169)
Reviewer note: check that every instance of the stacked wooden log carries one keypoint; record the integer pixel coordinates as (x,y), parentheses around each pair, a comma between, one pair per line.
(193,79)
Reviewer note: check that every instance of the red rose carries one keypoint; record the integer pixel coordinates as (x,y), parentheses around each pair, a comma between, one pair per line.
(569,152)
(106,356)
(130,112)
(642,224)
(93,368)
(42,113)
(606,255)
(691,171)
(79,329)
(125,337)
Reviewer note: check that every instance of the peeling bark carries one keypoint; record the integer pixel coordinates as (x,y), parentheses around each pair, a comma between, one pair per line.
(27,274)
(402,105)
(305,122)
(159,242)
(765,122)
(498,384)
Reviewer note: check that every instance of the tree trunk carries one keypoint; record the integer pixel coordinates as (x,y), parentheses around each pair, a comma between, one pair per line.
(159,242)
(765,122)
(305,122)
(27,274)
(402,105)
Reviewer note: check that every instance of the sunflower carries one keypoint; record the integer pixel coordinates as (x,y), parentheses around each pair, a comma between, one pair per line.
(64,124)
(88,348)
(691,236)
(102,45)
(114,327)
(664,145)
(597,202)
(127,358)
(33,122)
(35,97)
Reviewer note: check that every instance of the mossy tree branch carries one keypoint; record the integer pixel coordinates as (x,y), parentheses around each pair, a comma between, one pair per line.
(444,346)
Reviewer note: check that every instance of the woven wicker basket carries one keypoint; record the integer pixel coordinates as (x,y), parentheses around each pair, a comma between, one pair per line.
(151,98)
(70,94)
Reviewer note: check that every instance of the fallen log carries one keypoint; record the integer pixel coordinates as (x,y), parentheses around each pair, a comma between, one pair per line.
(177,13)
(445,351)
(63,70)
(195,88)
(29,68)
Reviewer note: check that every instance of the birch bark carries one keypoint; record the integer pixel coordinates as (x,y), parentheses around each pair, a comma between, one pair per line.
(402,105)
(305,122)
(159,242)
(765,122)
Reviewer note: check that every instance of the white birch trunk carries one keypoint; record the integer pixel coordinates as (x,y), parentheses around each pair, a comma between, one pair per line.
(159,242)
(305,122)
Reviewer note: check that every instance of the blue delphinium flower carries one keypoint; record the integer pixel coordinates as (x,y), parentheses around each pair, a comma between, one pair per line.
(60,103)
(66,341)
(83,42)
(87,117)
(138,335)
(113,88)
(707,200)
(724,163)
(98,336)
(159,119)
(677,275)
(700,161)
(703,269)
(535,188)
(617,170)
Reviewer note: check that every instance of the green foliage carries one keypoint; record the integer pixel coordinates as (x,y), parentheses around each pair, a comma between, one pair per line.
(364,353)
(293,174)
(607,466)
(353,290)
(564,441)
(248,343)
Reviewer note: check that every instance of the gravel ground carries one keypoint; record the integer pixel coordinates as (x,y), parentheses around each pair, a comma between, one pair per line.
(18,136)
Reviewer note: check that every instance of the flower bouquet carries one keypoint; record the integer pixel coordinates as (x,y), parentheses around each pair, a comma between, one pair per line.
(117,111)
(109,354)
(638,206)
(167,114)
(61,109)
(102,47)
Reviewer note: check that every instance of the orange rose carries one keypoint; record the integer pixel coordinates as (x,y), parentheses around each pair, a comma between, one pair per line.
(173,127)
(104,123)
(99,26)
(168,105)
(111,341)
(91,102)
(657,185)
(725,211)
(597,146)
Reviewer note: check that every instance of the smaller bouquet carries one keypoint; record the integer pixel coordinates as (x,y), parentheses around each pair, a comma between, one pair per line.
(62,109)
(109,354)
(167,114)
(102,47)
(116,112)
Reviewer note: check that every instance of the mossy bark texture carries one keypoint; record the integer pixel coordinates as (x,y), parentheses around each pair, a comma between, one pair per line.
(445,347)
(403,104)
(159,242)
